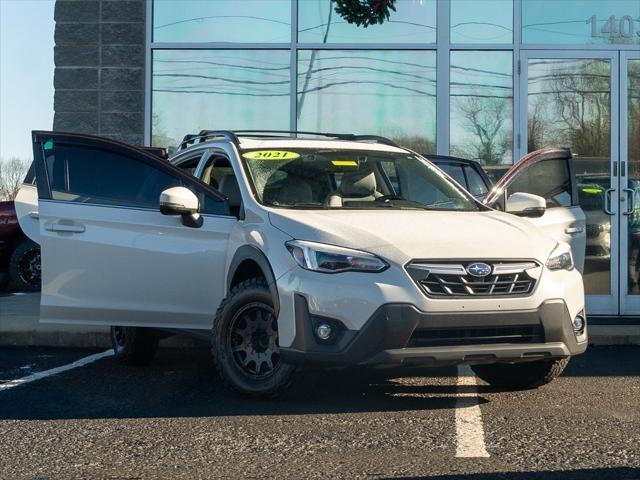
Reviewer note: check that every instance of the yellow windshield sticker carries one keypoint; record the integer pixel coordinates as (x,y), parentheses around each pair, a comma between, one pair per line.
(345,163)
(271,155)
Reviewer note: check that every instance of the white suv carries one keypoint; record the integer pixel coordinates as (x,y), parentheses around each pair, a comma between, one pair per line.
(344,250)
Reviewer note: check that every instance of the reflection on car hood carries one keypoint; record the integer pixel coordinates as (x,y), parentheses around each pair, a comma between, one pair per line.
(402,235)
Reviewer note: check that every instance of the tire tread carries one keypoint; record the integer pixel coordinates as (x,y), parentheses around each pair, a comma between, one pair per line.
(255,283)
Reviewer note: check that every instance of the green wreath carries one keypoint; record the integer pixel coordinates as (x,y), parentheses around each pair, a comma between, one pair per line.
(365,12)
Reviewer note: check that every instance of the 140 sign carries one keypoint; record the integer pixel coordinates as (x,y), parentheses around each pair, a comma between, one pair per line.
(625,27)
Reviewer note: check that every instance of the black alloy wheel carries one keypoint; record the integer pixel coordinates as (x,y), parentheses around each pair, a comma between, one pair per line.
(253,340)
(25,266)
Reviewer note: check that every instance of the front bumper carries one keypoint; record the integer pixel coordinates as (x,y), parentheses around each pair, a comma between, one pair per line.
(396,334)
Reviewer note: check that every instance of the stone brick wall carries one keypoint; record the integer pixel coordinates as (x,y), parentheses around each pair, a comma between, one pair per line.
(99,68)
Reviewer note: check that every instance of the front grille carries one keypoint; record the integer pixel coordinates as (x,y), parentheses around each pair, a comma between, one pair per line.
(453,279)
(443,337)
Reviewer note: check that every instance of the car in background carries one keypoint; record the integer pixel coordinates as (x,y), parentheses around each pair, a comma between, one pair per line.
(468,173)
(19,256)
(592,190)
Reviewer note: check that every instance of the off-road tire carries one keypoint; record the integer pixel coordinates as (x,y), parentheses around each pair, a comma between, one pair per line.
(521,376)
(252,292)
(133,345)
(24,266)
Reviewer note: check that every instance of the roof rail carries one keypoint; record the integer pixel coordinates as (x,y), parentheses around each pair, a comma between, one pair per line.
(340,136)
(204,135)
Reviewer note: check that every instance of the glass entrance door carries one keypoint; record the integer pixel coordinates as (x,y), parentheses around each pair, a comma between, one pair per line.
(630,182)
(571,99)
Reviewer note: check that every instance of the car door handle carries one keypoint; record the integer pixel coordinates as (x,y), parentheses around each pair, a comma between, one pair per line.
(573,230)
(35,214)
(60,227)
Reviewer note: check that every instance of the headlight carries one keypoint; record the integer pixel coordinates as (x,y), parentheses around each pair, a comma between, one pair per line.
(321,257)
(560,258)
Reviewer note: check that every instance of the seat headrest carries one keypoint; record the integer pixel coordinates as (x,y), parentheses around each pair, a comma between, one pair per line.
(294,190)
(358,184)
(230,188)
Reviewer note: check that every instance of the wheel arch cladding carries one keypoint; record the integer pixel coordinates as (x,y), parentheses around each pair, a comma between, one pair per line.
(249,262)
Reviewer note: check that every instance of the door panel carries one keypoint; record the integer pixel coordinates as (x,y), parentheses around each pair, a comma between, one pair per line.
(566,225)
(567,99)
(109,257)
(125,266)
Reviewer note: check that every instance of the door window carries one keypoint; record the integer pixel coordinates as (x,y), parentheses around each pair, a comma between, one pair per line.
(476,184)
(549,179)
(455,172)
(190,165)
(91,175)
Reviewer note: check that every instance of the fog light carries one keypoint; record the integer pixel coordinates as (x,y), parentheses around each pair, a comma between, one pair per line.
(578,324)
(324,331)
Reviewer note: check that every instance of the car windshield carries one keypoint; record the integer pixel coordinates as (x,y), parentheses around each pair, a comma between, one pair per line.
(351,179)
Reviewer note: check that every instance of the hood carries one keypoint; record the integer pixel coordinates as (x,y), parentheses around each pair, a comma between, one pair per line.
(403,235)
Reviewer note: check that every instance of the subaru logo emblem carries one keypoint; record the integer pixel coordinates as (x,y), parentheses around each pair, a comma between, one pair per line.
(479,269)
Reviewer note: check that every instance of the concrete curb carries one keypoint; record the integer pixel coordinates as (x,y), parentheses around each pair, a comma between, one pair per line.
(19,326)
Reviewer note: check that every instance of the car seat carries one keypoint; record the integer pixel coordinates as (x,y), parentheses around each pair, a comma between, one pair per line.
(358,186)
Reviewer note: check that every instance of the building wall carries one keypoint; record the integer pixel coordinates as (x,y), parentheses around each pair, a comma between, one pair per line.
(99,68)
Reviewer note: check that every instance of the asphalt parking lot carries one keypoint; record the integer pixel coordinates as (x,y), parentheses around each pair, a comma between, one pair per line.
(174,419)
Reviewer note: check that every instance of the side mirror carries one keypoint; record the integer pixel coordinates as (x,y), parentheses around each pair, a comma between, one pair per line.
(526,205)
(181,201)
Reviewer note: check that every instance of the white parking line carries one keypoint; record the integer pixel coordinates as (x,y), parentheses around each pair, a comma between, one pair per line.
(469,430)
(54,371)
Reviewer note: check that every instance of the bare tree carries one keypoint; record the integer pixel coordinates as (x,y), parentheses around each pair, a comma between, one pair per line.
(485,117)
(159,137)
(12,174)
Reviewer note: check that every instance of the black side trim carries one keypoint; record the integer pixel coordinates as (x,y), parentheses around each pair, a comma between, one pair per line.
(248,252)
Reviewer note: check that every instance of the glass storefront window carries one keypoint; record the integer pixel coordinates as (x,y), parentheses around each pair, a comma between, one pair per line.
(246,21)
(389,93)
(488,21)
(412,22)
(569,104)
(633,162)
(226,89)
(581,22)
(481,106)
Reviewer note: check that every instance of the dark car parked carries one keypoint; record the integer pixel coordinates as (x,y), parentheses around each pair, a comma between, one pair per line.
(19,256)
(468,173)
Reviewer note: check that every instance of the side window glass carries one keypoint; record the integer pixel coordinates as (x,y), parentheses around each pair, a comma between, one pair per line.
(455,172)
(216,169)
(190,165)
(88,175)
(549,179)
(477,187)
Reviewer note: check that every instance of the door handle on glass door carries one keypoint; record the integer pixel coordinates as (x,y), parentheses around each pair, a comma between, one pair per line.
(607,200)
(573,230)
(62,228)
(632,200)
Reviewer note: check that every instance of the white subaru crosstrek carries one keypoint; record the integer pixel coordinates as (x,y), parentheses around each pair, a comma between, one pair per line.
(334,250)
